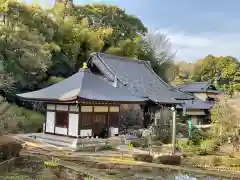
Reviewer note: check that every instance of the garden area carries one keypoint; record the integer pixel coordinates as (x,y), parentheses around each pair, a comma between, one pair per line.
(206,154)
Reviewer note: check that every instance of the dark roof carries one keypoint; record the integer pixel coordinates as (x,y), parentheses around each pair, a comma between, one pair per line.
(85,85)
(196,104)
(198,87)
(138,77)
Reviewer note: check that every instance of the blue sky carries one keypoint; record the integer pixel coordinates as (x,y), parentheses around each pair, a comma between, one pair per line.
(195,28)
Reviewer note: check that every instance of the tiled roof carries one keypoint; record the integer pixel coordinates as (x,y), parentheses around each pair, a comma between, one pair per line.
(85,85)
(195,86)
(196,104)
(138,77)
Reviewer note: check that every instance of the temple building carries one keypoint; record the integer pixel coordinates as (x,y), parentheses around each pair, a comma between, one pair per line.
(138,77)
(88,103)
(82,105)
(198,110)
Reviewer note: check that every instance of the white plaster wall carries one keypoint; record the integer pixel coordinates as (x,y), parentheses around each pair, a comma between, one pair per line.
(62,107)
(162,116)
(116,131)
(157,117)
(51,106)
(194,120)
(50,122)
(59,130)
(85,132)
(74,108)
(195,112)
(113,131)
(73,124)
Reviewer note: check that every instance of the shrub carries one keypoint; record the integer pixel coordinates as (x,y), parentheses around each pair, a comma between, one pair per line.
(161,133)
(207,147)
(182,144)
(186,146)
(138,134)
(143,157)
(32,121)
(197,136)
(169,159)
(9,148)
(17,119)
(106,147)
(139,143)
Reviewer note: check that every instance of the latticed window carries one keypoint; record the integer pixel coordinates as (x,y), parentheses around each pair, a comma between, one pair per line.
(113,119)
(86,120)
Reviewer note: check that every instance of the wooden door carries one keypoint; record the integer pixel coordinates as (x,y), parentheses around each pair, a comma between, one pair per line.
(99,123)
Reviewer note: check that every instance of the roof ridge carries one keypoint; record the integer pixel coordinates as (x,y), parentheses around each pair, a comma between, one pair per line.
(123,58)
(97,54)
(122,81)
(195,82)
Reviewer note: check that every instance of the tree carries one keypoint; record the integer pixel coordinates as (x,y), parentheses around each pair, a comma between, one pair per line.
(125,26)
(24,53)
(156,48)
(224,120)
(223,70)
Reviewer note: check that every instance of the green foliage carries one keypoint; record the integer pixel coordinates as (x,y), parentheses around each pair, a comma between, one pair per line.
(106,147)
(39,47)
(186,146)
(197,136)
(137,142)
(224,121)
(124,26)
(15,119)
(207,147)
(223,72)
(53,163)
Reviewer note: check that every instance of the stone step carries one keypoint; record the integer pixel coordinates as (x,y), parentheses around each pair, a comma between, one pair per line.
(55,142)
(53,138)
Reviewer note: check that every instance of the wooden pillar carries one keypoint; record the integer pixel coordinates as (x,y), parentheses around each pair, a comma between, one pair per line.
(146,116)
(108,117)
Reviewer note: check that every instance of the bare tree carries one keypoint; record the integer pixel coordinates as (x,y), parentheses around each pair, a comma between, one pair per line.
(163,56)
(161,46)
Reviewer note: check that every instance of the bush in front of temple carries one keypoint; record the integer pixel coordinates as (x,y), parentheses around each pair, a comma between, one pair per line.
(143,157)
(16,120)
(9,148)
(169,160)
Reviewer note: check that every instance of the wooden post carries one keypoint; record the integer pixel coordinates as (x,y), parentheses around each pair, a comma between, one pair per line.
(173,130)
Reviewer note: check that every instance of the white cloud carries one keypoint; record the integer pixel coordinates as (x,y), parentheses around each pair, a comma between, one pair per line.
(191,47)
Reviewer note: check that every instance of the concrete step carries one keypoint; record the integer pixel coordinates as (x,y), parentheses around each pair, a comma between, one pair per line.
(53,138)
(54,142)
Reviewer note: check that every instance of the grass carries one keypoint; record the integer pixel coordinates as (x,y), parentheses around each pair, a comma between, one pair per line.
(214,161)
